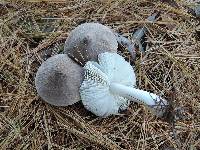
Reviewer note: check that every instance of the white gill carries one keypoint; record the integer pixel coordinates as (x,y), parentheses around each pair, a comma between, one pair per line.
(109,86)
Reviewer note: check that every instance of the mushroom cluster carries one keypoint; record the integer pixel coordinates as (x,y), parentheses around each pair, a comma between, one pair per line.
(106,84)
(58,79)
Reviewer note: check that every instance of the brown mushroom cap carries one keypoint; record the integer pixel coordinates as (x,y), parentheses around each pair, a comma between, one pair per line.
(58,80)
(88,40)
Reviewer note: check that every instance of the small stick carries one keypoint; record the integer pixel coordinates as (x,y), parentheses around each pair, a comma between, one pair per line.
(137,37)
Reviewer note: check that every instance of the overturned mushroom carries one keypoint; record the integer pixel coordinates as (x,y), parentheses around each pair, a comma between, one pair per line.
(88,40)
(109,85)
(58,80)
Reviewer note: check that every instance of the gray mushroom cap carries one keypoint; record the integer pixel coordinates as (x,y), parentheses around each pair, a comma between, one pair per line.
(58,80)
(88,40)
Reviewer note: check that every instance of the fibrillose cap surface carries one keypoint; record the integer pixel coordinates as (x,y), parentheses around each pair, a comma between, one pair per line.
(58,80)
(88,40)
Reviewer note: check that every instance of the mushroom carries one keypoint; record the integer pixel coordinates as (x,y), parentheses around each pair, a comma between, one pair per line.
(109,86)
(58,80)
(88,40)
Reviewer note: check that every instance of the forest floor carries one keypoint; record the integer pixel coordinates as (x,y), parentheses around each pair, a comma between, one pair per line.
(170,67)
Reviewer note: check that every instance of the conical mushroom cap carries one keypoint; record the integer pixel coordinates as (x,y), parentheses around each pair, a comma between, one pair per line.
(95,89)
(88,40)
(58,80)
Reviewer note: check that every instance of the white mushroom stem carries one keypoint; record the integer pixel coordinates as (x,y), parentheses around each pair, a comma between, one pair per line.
(143,97)
(133,94)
